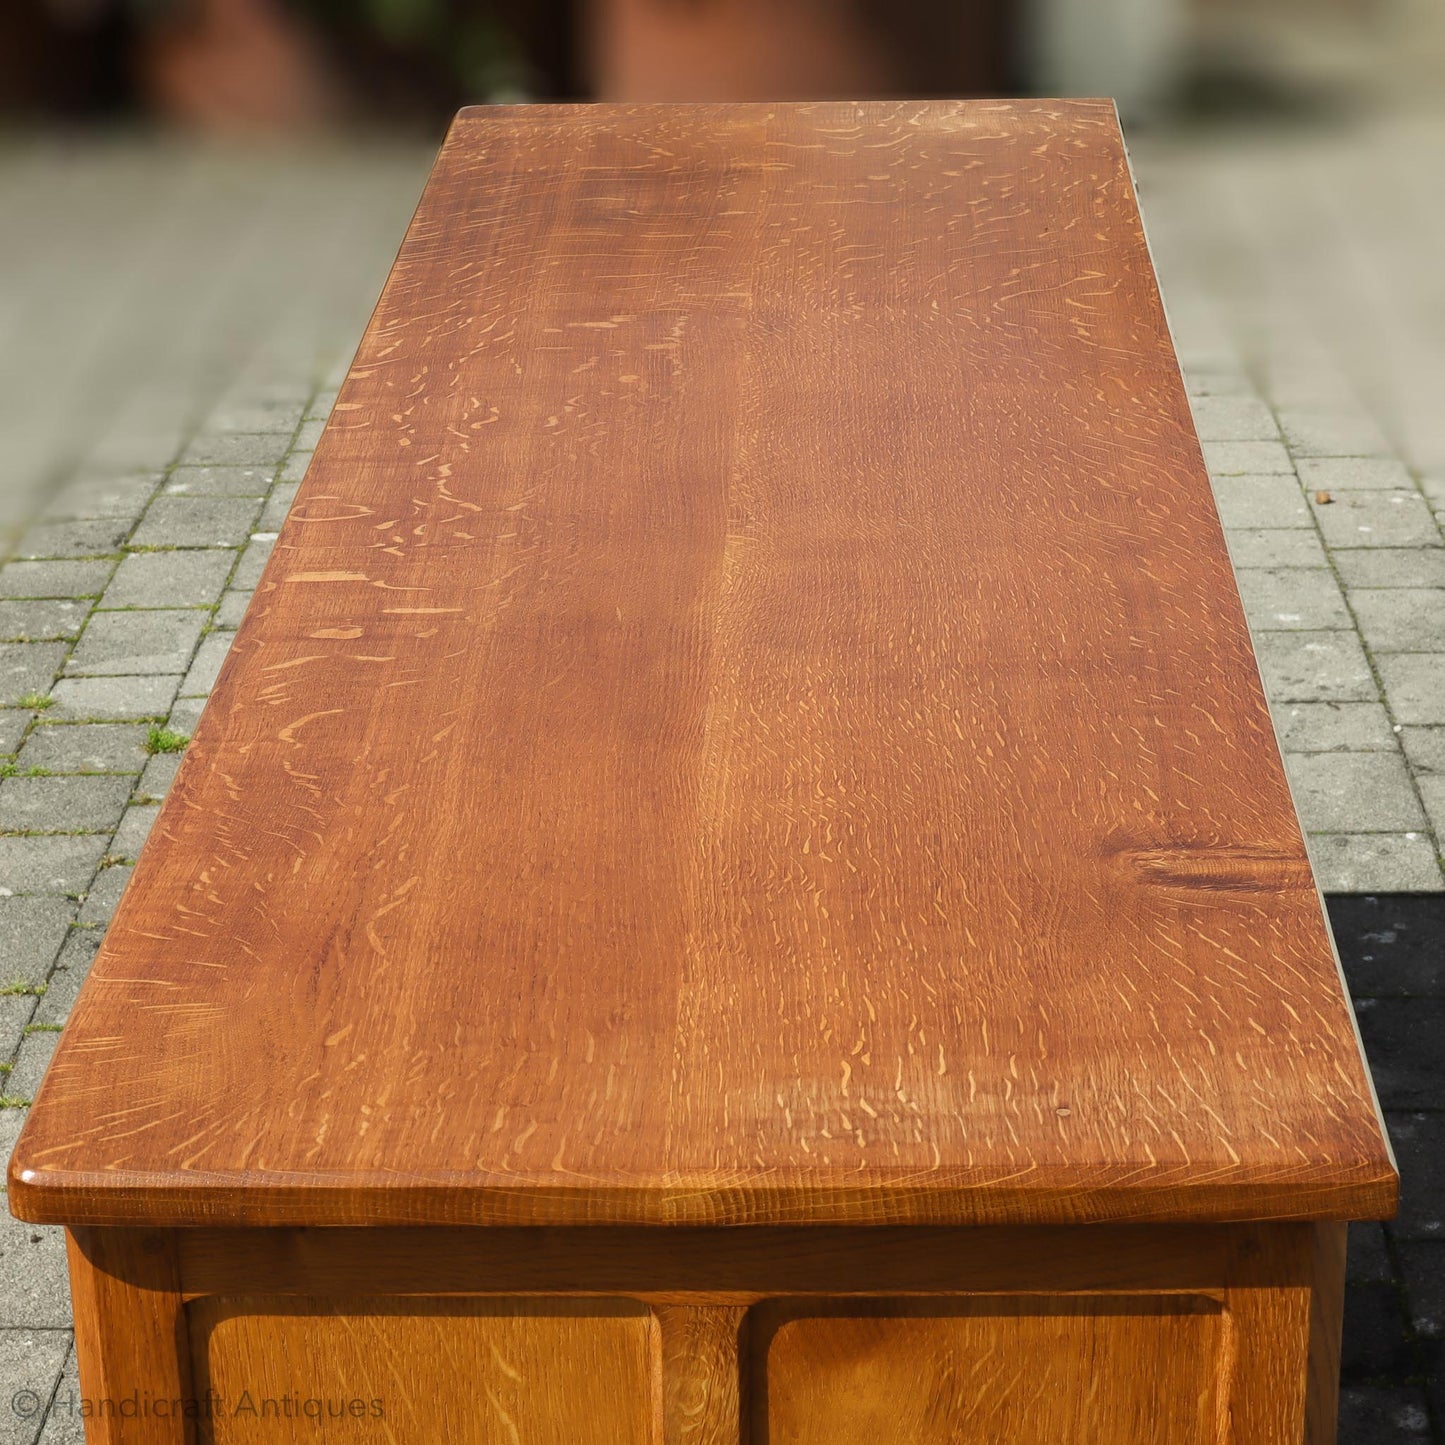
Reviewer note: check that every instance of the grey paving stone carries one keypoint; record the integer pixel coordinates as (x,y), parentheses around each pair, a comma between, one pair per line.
(54,579)
(1414,686)
(127,446)
(186,715)
(1367,1259)
(100,902)
(238,449)
(31,932)
(1287,598)
(1375,863)
(1376,519)
(16,1012)
(196,522)
(106,699)
(85,748)
(1213,381)
(34,1290)
(1331,432)
(207,666)
(1382,1415)
(278,505)
(1201,346)
(1419,1140)
(1352,474)
(1424,749)
(1401,619)
(49,865)
(1229,459)
(134,828)
(12,729)
(1250,548)
(1314,667)
(31,1062)
(35,621)
(1298,378)
(72,966)
(30,1366)
(232,610)
(1401,1038)
(220,481)
(1256,502)
(1325,727)
(88,497)
(11,1122)
(267,414)
(74,539)
(116,644)
(310,434)
(322,403)
(1354,792)
(190,578)
(1391,567)
(28,667)
(1376,1342)
(63,804)
(282,379)
(160,773)
(1390,944)
(1432,792)
(65,1424)
(253,559)
(294,469)
(1424,1271)
(1233,418)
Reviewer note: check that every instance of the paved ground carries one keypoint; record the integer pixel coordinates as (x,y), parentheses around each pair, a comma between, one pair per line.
(172,326)
(1393,950)
(1302,276)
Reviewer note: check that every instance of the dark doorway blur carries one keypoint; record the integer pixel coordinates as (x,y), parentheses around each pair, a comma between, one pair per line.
(252,65)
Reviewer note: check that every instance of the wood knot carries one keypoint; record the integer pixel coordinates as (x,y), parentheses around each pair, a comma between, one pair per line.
(1229,868)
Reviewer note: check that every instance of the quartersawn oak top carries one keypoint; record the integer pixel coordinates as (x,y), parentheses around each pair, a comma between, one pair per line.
(749,719)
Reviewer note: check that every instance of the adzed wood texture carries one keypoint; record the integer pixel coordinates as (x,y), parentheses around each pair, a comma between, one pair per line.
(1021,1335)
(749,720)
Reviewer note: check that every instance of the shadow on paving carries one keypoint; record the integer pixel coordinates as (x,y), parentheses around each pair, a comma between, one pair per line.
(1392,947)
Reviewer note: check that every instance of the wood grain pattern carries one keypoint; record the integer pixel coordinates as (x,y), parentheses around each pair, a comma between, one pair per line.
(131,1343)
(749,720)
(702,1384)
(466,1372)
(1020,1371)
(716,1267)
(715,1336)
(1327,1320)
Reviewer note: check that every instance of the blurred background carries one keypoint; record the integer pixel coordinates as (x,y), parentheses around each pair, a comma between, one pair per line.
(199,201)
(198,198)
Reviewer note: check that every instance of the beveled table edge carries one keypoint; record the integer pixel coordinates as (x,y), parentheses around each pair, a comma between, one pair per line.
(945,1197)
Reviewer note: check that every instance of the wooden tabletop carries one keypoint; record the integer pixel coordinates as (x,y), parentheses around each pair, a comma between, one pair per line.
(749,719)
